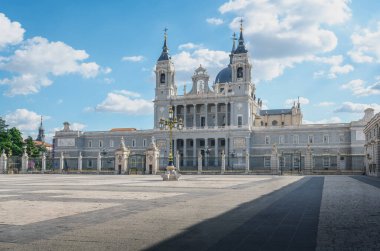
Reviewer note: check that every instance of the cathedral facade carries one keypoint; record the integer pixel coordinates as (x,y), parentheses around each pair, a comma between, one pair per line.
(224,119)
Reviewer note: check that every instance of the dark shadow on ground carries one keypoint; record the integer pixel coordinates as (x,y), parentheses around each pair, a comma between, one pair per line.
(373,181)
(286,219)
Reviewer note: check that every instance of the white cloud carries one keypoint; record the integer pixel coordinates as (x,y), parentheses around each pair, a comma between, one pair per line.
(336,67)
(88,109)
(77,126)
(11,33)
(189,61)
(133,58)
(189,46)
(24,119)
(37,59)
(366,46)
(109,80)
(323,121)
(124,101)
(358,88)
(302,27)
(325,104)
(302,100)
(214,21)
(351,107)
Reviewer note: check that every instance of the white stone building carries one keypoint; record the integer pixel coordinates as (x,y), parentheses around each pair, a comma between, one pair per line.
(223,123)
(372,146)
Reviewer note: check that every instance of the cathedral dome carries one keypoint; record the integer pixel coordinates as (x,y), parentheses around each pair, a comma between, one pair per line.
(224,76)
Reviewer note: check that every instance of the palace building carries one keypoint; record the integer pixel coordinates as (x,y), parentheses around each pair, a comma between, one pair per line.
(223,124)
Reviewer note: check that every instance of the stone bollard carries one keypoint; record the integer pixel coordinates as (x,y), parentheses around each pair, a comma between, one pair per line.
(199,163)
(61,162)
(3,162)
(43,160)
(80,158)
(247,162)
(99,163)
(24,161)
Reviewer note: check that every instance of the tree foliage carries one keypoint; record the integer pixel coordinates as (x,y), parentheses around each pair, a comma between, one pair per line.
(10,139)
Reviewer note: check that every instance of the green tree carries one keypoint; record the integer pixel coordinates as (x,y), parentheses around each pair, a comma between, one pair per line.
(32,149)
(10,139)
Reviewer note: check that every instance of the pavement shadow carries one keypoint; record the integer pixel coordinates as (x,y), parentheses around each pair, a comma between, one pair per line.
(286,219)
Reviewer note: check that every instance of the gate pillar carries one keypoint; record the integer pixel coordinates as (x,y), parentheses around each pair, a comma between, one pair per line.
(121,158)
(152,154)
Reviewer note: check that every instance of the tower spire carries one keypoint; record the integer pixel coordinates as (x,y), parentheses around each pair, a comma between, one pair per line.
(241,45)
(233,47)
(165,51)
(41,133)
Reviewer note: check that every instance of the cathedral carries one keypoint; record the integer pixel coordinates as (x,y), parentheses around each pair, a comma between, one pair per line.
(223,124)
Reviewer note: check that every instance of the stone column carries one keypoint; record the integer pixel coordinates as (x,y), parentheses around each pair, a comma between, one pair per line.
(3,162)
(194,148)
(274,165)
(308,160)
(99,162)
(232,114)
(43,160)
(206,117)
(223,169)
(199,162)
(80,158)
(177,160)
(338,167)
(184,152)
(226,119)
(185,116)
(216,115)
(61,162)
(24,161)
(216,160)
(194,116)
(247,162)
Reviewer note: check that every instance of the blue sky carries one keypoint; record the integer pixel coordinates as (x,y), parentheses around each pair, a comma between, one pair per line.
(91,62)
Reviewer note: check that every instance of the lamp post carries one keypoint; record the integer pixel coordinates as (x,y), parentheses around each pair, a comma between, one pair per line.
(168,124)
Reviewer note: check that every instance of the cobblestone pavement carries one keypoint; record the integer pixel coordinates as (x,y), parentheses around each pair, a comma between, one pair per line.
(199,212)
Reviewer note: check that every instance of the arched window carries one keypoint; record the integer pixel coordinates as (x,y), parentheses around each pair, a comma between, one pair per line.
(240,72)
(162,78)
(274,122)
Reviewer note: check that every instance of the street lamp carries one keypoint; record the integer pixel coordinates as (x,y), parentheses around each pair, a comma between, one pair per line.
(168,124)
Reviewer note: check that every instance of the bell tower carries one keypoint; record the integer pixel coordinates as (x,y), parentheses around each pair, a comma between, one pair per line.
(165,86)
(241,67)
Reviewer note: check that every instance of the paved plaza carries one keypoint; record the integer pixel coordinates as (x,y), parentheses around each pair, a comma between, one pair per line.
(199,212)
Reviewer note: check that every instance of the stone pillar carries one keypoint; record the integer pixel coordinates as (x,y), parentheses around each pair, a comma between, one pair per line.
(226,119)
(3,162)
(247,162)
(194,117)
(80,158)
(43,160)
(177,160)
(61,162)
(216,114)
(99,162)
(216,160)
(223,169)
(185,116)
(185,152)
(308,161)
(274,165)
(206,117)
(199,162)
(24,161)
